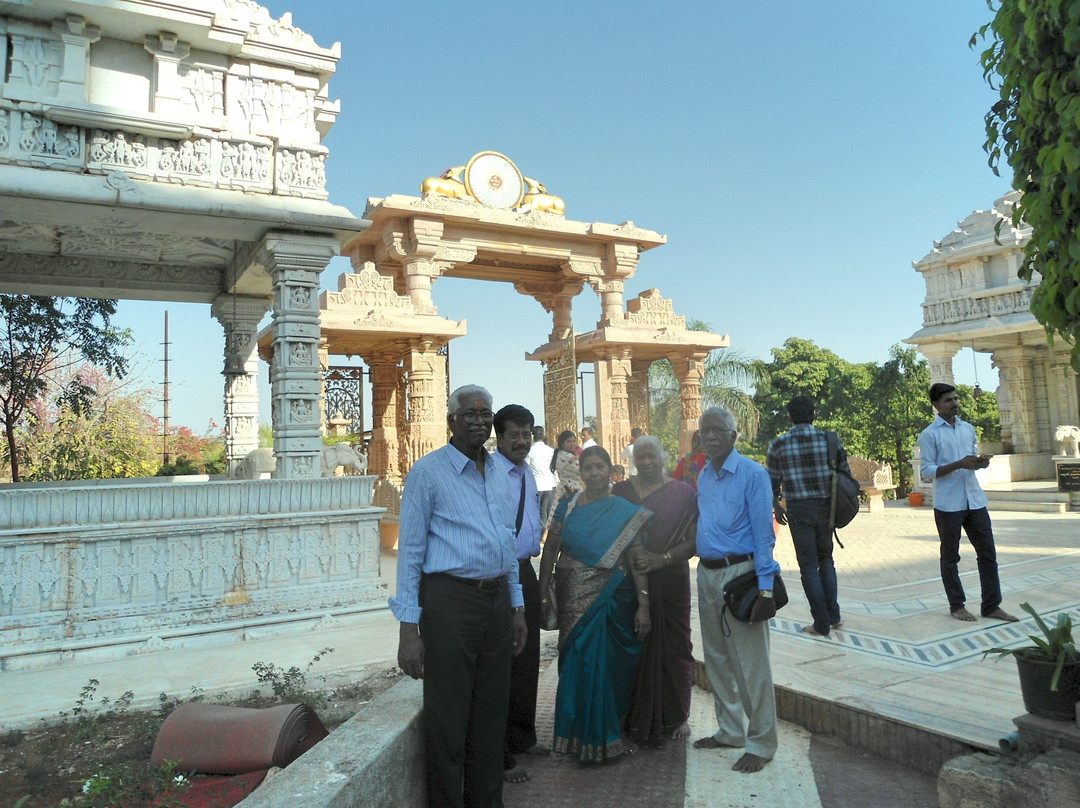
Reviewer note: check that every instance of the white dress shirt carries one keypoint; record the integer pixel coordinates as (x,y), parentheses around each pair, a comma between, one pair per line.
(940,445)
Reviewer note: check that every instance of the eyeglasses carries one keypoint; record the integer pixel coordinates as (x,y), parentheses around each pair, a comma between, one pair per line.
(516,436)
(474,417)
(714,430)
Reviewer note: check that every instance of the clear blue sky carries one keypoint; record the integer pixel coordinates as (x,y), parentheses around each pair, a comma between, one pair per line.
(798,156)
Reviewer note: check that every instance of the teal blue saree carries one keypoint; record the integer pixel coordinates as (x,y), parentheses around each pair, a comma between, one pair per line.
(598,650)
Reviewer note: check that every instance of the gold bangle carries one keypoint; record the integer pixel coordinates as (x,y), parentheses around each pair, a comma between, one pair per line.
(667,557)
(645,592)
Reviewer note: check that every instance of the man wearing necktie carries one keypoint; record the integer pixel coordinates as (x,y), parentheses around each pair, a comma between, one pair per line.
(513,435)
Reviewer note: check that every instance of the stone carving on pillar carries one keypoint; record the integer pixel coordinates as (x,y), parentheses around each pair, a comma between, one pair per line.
(557,298)
(610,290)
(427,399)
(560,390)
(294,263)
(240,315)
(384,448)
(1063,383)
(689,370)
(612,410)
(940,356)
(651,309)
(637,395)
(1014,367)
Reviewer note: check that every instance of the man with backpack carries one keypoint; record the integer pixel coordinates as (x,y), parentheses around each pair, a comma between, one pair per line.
(798,464)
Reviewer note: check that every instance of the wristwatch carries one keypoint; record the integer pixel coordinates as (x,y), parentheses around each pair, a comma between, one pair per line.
(765,593)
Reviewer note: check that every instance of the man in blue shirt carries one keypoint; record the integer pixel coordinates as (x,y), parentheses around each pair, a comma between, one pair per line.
(513,434)
(735,536)
(949,458)
(459,603)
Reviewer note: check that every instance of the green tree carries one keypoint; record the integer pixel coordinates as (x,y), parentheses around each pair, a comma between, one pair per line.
(840,389)
(109,434)
(40,337)
(901,410)
(1033,61)
(728,381)
(194,454)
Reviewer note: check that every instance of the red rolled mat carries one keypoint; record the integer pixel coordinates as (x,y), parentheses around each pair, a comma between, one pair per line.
(214,739)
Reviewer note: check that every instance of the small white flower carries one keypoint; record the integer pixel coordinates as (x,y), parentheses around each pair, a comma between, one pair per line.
(86,786)
(179,779)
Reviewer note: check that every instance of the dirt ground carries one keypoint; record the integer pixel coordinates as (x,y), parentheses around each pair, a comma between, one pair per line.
(102,746)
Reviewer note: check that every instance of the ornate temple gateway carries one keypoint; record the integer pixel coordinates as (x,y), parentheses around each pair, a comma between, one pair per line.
(486,221)
(975,300)
(173,152)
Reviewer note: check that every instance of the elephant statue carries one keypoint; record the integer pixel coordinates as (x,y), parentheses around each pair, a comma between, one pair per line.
(341,454)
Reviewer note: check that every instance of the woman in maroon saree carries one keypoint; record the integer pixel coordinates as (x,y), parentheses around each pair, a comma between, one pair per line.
(665,674)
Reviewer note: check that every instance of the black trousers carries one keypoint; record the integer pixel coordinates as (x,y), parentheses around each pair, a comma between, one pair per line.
(976,525)
(468,645)
(524,673)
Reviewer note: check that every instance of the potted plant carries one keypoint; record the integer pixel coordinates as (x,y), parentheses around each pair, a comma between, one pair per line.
(1049,670)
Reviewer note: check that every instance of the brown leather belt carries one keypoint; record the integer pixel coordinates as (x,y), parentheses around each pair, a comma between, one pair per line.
(480,583)
(726,561)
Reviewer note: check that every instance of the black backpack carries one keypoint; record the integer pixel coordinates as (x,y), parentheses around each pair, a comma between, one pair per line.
(845,489)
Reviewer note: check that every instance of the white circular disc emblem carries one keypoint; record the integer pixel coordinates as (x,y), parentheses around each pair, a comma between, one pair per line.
(491,178)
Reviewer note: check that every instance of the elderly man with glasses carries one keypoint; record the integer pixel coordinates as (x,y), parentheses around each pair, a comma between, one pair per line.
(459,604)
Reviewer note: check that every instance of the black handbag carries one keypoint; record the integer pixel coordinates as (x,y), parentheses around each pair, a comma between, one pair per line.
(549,609)
(845,489)
(740,594)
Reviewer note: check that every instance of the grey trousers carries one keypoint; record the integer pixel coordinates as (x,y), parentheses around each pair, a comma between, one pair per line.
(738,668)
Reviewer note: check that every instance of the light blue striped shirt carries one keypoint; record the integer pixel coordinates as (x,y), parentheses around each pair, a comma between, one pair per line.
(735,514)
(528,540)
(941,444)
(456,521)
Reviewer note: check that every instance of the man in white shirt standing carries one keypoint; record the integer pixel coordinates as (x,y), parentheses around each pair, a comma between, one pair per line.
(628,453)
(587,438)
(949,458)
(539,461)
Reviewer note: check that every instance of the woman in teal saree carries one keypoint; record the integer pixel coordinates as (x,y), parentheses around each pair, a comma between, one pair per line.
(603,607)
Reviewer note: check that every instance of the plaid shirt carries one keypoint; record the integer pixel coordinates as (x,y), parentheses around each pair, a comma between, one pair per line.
(798,463)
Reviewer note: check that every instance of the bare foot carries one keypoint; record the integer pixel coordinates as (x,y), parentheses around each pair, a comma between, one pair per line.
(516,774)
(813,632)
(709,742)
(1001,614)
(963,614)
(680,732)
(536,749)
(748,764)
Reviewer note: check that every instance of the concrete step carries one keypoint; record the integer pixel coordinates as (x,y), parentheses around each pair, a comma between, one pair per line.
(1027,505)
(1027,496)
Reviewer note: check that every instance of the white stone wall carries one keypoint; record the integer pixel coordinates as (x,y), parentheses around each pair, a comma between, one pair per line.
(136,566)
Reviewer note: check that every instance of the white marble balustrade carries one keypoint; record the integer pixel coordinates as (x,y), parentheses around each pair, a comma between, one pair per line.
(117,568)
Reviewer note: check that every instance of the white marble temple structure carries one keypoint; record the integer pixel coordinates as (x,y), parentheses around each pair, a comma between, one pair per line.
(167,151)
(974,299)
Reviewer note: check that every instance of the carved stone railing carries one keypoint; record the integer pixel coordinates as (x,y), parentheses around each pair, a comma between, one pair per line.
(145,566)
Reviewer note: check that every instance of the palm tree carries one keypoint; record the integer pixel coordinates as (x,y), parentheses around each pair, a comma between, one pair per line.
(729,380)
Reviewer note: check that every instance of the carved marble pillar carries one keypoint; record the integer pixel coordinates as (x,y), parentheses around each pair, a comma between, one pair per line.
(426,373)
(240,316)
(1062,383)
(940,356)
(168,52)
(419,274)
(294,263)
(324,367)
(384,449)
(1018,420)
(612,409)
(637,395)
(557,298)
(77,37)
(689,370)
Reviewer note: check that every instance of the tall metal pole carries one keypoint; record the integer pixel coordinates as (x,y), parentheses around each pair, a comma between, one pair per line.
(165,398)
